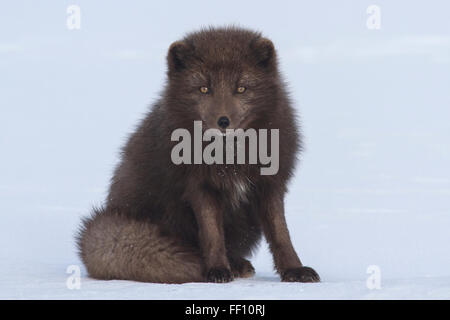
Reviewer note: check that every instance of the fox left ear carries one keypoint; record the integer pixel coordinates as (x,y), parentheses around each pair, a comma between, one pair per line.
(264,51)
(178,55)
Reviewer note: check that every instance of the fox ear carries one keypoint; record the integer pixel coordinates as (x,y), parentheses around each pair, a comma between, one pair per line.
(264,51)
(177,56)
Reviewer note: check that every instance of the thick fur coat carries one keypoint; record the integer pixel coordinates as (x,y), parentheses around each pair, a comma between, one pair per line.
(170,223)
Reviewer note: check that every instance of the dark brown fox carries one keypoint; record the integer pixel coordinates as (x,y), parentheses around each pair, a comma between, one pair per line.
(174,223)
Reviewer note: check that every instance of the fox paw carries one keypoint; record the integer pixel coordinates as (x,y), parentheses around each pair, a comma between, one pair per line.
(242,268)
(219,275)
(302,274)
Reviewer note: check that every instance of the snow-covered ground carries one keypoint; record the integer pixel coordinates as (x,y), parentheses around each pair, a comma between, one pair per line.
(373,187)
(411,251)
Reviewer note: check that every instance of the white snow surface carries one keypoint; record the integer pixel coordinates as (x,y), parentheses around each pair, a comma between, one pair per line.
(372,187)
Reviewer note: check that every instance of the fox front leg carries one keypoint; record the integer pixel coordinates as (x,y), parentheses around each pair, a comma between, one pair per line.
(211,236)
(287,262)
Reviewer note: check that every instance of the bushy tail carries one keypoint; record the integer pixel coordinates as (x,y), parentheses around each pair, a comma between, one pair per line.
(113,246)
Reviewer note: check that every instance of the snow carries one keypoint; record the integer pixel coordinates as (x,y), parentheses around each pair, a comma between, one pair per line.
(372,189)
(51,285)
(39,249)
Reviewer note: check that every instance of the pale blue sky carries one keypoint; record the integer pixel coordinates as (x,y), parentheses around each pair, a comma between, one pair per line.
(373,101)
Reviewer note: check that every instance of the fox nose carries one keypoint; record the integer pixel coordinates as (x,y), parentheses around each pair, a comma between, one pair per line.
(223,122)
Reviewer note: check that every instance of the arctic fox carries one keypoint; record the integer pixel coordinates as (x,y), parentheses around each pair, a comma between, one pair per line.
(170,222)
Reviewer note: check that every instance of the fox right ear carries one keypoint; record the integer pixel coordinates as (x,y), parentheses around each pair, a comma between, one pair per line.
(264,51)
(177,56)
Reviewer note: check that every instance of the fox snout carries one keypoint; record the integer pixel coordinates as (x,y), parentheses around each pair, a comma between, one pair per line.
(220,113)
(223,122)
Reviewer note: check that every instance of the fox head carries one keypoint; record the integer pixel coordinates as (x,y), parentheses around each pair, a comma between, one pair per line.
(226,78)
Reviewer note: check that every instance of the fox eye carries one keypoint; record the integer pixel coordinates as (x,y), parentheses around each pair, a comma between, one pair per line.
(204,90)
(241,89)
